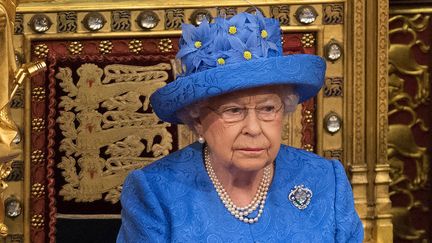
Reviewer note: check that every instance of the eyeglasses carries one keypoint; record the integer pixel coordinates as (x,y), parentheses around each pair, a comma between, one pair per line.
(236,113)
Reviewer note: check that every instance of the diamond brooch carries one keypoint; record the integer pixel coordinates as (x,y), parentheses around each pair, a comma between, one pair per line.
(300,196)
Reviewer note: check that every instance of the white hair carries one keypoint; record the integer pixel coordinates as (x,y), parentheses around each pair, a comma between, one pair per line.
(289,96)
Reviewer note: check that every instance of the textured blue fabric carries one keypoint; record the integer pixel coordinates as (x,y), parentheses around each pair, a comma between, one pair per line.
(250,50)
(173,200)
(305,72)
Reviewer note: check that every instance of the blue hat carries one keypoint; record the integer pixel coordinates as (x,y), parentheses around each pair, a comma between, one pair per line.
(242,52)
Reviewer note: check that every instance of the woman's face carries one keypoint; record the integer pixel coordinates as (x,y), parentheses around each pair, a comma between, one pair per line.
(248,144)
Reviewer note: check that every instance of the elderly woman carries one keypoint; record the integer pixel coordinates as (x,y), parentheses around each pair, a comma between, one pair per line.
(238,183)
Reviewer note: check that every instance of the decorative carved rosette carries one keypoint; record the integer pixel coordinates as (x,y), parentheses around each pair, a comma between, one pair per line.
(38,153)
(308,125)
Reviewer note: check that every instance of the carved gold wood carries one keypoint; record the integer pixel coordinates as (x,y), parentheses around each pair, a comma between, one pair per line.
(366,134)
(121,129)
(5,170)
(383,224)
(403,147)
(8,129)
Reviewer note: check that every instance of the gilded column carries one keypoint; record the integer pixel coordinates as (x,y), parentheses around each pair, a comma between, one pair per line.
(383,230)
(355,113)
(367,146)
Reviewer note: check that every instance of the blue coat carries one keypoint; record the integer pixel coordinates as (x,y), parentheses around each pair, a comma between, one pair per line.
(173,200)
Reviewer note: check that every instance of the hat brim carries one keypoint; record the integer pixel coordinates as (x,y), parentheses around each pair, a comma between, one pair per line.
(305,72)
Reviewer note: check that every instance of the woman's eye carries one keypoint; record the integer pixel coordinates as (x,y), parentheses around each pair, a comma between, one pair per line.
(233,110)
(269,108)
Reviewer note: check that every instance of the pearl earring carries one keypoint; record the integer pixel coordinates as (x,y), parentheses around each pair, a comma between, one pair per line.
(201,139)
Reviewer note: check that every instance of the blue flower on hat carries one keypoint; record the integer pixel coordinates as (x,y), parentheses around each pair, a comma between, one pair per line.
(220,50)
(244,51)
(241,38)
(268,34)
(232,54)
(194,45)
(234,27)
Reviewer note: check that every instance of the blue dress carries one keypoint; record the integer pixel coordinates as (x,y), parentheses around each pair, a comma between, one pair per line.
(173,200)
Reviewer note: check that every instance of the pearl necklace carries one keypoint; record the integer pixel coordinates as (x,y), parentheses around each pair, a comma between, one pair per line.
(240,213)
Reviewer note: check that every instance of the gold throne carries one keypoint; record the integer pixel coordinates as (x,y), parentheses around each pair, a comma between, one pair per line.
(86,121)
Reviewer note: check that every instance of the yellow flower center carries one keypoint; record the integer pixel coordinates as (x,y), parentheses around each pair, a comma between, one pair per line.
(264,34)
(247,55)
(198,44)
(232,30)
(221,61)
